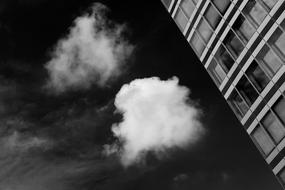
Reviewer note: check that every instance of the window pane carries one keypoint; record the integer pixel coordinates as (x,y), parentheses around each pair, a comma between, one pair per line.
(224,58)
(212,16)
(188,7)
(270,3)
(181,19)
(278,40)
(247,90)
(263,140)
(255,11)
(216,71)
(257,76)
(238,104)
(273,126)
(279,109)
(166,3)
(233,44)
(243,28)
(269,60)
(197,43)
(205,30)
(222,5)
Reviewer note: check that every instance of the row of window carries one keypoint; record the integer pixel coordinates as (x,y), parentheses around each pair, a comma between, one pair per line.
(270,57)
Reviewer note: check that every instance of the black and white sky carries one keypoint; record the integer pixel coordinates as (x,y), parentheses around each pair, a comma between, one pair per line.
(103,95)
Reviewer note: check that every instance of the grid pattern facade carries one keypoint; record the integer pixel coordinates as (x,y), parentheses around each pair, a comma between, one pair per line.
(241,44)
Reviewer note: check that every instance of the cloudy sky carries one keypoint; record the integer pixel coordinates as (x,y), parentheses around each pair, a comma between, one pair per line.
(108,95)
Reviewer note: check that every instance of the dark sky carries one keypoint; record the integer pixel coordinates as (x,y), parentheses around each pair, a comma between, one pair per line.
(225,159)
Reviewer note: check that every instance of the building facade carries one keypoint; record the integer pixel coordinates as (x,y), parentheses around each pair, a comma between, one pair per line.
(241,44)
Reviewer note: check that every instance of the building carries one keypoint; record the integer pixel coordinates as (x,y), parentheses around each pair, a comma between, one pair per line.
(241,44)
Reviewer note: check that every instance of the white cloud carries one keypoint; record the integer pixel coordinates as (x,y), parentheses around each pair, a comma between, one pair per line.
(93,52)
(157,115)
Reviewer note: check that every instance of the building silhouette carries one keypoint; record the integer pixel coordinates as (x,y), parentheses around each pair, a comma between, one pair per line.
(241,44)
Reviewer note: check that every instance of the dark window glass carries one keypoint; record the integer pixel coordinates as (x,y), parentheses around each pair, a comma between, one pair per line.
(243,28)
(263,140)
(216,72)
(247,90)
(257,76)
(270,3)
(278,40)
(222,5)
(255,12)
(212,16)
(269,61)
(205,30)
(273,126)
(238,105)
(233,44)
(224,58)
(166,3)
(181,19)
(279,109)
(197,43)
(188,7)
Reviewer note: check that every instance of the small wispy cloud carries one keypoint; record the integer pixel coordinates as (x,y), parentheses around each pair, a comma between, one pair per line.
(94,52)
(157,116)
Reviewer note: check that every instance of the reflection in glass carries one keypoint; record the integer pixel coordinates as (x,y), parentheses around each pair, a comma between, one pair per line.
(247,90)
(181,19)
(257,76)
(273,126)
(263,140)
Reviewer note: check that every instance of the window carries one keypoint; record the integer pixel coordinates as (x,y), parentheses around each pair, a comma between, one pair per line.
(243,28)
(205,30)
(278,40)
(181,19)
(279,109)
(188,7)
(212,16)
(257,76)
(247,90)
(197,43)
(224,58)
(273,126)
(166,3)
(255,11)
(238,105)
(216,72)
(270,62)
(270,3)
(222,5)
(233,44)
(262,139)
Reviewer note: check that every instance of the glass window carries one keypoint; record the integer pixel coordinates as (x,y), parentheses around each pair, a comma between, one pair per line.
(224,58)
(181,19)
(197,44)
(270,3)
(255,11)
(273,126)
(216,71)
(238,105)
(270,62)
(243,28)
(233,44)
(247,90)
(188,7)
(257,76)
(263,140)
(166,3)
(212,16)
(278,40)
(222,5)
(279,109)
(205,30)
